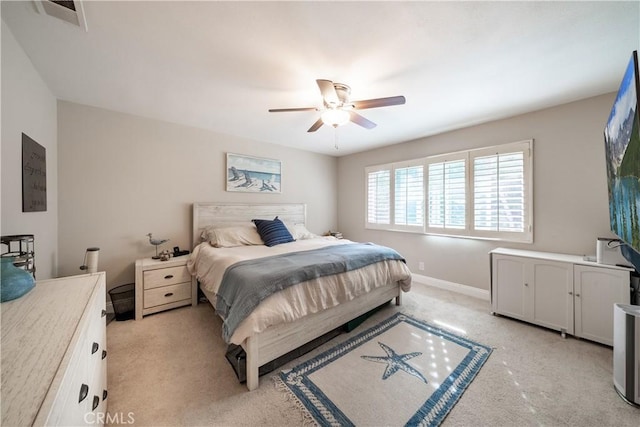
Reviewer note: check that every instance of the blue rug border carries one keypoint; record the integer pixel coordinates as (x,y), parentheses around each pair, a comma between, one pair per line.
(429,413)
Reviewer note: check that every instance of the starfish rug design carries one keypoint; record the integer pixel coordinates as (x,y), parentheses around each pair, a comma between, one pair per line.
(427,370)
(396,362)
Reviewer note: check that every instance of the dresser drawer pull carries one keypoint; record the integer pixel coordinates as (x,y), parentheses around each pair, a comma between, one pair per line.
(168,294)
(96,402)
(84,391)
(104,354)
(94,347)
(103,313)
(169,276)
(104,394)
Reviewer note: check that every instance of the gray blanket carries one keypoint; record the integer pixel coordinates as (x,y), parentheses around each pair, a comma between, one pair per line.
(246,283)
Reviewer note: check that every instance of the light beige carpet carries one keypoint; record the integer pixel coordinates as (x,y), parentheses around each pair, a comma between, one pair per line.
(169,369)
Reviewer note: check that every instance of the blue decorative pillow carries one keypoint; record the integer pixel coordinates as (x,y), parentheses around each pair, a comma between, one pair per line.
(273,232)
(14,281)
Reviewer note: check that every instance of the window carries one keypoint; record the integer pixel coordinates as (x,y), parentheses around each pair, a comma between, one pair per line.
(446,193)
(379,197)
(501,191)
(409,196)
(402,183)
(482,193)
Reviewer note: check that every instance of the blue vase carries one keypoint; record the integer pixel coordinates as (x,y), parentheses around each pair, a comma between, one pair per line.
(14,281)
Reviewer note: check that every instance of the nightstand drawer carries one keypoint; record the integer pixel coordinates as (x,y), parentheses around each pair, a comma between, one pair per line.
(165,276)
(167,294)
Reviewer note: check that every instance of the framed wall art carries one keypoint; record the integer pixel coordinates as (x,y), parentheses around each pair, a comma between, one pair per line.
(34,176)
(253,174)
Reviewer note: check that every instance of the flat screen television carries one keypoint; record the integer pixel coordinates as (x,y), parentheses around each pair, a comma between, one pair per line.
(622,150)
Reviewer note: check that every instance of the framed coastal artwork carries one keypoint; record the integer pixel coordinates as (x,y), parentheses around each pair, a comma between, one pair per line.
(253,174)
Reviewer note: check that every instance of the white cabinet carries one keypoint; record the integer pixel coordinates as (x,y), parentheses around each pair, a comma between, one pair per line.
(536,291)
(558,291)
(162,285)
(54,366)
(596,291)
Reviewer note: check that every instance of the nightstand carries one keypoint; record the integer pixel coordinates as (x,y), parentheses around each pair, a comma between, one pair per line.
(162,285)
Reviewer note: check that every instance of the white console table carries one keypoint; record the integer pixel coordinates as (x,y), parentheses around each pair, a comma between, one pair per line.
(558,291)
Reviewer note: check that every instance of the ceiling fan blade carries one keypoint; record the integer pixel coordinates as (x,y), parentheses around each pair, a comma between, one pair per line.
(280,110)
(359,120)
(316,125)
(379,102)
(328,91)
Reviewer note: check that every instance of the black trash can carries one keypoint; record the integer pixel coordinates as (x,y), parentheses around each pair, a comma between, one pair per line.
(123,299)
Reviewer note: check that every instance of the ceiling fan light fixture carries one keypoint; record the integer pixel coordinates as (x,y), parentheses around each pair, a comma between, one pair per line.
(335,117)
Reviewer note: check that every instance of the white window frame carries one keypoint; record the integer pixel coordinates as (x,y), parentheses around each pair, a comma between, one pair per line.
(444,158)
(526,147)
(378,225)
(526,236)
(391,167)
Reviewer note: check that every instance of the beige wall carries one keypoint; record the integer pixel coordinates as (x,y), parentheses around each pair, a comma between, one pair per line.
(570,190)
(28,107)
(123,176)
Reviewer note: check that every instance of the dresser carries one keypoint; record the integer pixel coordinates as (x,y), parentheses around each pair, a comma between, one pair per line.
(54,358)
(162,285)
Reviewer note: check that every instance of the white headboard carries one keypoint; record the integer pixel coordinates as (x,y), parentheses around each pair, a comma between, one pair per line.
(210,213)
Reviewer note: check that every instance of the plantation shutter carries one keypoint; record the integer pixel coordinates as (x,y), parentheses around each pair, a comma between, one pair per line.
(409,196)
(501,187)
(378,196)
(447,194)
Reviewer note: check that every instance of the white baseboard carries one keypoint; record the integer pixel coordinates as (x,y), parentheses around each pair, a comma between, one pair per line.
(451,286)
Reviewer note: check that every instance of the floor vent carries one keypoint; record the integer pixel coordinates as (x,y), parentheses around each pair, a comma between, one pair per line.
(70,11)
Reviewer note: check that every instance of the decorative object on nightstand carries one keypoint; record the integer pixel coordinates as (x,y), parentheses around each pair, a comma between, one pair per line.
(165,255)
(163,285)
(156,243)
(336,234)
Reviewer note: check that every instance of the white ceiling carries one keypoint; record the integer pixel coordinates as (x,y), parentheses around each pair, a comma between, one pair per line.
(222,65)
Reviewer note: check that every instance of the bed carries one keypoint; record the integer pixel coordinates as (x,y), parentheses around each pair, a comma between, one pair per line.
(299,313)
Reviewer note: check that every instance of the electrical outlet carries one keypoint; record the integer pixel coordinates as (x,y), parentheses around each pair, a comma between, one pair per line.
(421,266)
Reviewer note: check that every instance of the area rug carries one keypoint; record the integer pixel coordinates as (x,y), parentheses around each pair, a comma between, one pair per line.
(402,371)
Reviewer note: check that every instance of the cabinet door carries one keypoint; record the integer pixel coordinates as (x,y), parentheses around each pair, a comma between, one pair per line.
(550,288)
(596,291)
(507,285)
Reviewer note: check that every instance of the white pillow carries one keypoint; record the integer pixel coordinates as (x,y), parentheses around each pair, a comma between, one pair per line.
(231,236)
(299,231)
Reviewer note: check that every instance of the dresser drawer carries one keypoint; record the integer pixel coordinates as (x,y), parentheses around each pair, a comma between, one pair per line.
(165,276)
(167,294)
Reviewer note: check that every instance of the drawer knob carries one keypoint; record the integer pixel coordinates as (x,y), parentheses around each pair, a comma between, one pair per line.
(169,276)
(94,347)
(104,354)
(96,402)
(104,394)
(168,294)
(103,313)
(84,391)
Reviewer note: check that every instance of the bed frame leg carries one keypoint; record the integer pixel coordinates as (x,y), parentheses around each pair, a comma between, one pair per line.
(251,348)
(399,298)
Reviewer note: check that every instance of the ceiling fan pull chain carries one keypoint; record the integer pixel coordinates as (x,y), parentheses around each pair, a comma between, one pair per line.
(335,137)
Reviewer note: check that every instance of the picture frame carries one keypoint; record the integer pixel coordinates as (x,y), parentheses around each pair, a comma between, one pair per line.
(34,176)
(248,174)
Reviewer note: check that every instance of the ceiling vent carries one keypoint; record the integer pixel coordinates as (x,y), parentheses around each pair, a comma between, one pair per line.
(70,11)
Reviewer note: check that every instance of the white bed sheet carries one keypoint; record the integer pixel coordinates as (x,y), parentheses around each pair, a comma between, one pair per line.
(209,263)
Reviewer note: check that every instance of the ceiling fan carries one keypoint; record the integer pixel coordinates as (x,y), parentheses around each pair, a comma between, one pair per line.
(338,109)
